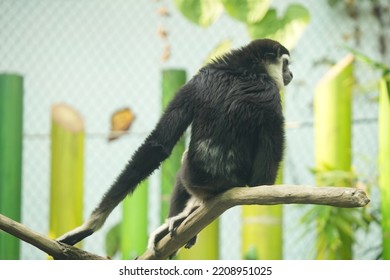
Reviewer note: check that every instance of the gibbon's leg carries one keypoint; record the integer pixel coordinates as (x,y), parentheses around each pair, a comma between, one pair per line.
(182,204)
(172,223)
(156,236)
(178,202)
(266,162)
(175,221)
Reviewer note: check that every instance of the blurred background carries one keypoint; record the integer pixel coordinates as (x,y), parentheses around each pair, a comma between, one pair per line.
(99,57)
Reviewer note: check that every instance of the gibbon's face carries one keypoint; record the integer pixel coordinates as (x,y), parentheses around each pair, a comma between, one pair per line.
(287,74)
(278,68)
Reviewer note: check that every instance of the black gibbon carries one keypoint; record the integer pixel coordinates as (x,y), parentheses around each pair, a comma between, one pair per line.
(237,135)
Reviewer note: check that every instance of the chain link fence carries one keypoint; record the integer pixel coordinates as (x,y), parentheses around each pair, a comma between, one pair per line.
(102,55)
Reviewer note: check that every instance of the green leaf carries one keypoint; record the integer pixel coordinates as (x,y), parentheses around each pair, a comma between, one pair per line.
(371,62)
(113,240)
(287,30)
(249,11)
(343,227)
(200,12)
(251,254)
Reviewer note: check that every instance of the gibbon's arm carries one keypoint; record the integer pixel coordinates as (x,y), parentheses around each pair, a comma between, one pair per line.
(156,148)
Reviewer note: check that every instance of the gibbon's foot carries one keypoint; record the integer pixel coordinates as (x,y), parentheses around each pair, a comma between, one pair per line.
(74,237)
(188,245)
(156,236)
(174,223)
(191,243)
(170,227)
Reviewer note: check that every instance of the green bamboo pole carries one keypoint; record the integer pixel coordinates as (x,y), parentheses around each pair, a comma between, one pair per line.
(11,136)
(134,229)
(332,132)
(262,230)
(384,161)
(206,247)
(67,167)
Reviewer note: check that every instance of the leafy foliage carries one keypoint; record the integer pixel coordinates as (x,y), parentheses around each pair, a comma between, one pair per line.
(201,12)
(371,62)
(287,29)
(247,11)
(252,254)
(336,226)
(113,240)
(261,21)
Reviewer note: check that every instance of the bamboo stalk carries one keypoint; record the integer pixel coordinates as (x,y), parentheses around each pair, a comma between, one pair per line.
(332,131)
(11,137)
(262,233)
(332,109)
(384,161)
(206,247)
(134,229)
(67,167)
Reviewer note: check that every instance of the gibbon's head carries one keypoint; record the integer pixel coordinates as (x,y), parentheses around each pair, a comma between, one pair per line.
(259,57)
(274,57)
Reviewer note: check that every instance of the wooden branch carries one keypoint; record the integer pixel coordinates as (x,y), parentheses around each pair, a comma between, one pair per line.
(262,195)
(55,249)
(205,214)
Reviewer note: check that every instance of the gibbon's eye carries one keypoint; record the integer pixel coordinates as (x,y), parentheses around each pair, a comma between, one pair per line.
(286,63)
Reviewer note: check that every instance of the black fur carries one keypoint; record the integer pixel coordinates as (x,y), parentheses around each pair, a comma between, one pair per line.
(237,133)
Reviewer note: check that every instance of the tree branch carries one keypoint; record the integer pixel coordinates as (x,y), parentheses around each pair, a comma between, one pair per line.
(57,250)
(262,195)
(204,215)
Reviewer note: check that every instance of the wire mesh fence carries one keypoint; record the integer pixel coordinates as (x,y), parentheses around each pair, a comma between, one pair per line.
(102,55)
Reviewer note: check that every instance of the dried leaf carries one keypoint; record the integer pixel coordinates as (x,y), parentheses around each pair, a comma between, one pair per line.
(162,32)
(166,53)
(121,121)
(163,11)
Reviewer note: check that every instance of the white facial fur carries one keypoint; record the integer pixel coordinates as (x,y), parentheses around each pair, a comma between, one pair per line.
(275,70)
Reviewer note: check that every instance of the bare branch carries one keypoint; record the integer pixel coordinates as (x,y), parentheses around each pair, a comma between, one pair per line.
(55,249)
(204,215)
(262,195)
